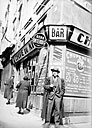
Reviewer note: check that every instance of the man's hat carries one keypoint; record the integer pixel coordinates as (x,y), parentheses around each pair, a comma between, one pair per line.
(55,70)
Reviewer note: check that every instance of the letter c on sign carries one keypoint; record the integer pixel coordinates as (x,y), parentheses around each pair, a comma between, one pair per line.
(79,39)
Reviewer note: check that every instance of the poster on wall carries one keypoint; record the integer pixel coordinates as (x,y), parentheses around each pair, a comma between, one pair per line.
(57,59)
(78,74)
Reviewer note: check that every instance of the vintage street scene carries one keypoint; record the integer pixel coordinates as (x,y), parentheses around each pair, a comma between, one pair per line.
(45,63)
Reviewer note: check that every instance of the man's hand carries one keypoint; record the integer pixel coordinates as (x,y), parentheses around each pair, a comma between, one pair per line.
(51,85)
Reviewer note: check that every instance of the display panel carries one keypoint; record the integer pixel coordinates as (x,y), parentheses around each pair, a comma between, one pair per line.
(78,73)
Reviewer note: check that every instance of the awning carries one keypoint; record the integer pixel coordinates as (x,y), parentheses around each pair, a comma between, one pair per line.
(5,56)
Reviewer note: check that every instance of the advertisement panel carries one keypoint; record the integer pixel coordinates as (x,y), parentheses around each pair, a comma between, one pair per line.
(57,59)
(78,74)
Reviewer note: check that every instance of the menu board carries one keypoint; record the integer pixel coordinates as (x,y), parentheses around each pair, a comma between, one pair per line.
(78,73)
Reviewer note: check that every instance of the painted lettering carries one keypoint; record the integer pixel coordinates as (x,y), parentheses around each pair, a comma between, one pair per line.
(25,50)
(62,32)
(80,37)
(31,45)
(87,41)
(57,32)
(53,32)
(22,52)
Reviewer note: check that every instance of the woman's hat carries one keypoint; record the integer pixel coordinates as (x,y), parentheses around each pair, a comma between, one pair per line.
(55,70)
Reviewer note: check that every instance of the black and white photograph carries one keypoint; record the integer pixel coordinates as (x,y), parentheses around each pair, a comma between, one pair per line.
(45,63)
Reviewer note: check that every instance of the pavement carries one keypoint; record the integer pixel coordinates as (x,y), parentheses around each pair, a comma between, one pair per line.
(9,118)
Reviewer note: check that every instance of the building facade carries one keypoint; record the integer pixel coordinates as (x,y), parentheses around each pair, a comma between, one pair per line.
(62,26)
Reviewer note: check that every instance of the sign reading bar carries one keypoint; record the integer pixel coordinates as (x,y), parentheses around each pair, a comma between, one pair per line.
(81,38)
(57,32)
(36,43)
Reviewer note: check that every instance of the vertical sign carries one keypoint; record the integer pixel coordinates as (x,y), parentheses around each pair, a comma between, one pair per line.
(57,59)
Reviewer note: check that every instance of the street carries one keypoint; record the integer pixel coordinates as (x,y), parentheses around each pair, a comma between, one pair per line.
(9,118)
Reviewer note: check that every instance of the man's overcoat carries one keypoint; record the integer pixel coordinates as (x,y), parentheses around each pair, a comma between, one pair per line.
(49,94)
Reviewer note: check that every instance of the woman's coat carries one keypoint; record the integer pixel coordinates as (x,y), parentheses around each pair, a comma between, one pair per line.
(9,85)
(23,93)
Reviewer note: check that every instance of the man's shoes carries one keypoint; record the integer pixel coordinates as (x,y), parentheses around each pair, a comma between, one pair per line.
(30,106)
(58,126)
(46,125)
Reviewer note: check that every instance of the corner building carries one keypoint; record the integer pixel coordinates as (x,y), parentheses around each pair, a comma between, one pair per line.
(65,26)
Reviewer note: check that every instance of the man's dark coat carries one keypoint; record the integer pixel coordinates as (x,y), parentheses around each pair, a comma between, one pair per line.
(49,94)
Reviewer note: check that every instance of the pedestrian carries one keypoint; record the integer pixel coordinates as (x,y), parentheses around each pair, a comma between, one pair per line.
(23,92)
(9,86)
(53,99)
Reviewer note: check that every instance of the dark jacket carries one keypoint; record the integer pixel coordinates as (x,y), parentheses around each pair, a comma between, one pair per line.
(58,89)
(50,93)
(9,85)
(23,93)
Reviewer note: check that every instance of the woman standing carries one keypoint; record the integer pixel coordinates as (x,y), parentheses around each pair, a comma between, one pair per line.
(9,86)
(23,93)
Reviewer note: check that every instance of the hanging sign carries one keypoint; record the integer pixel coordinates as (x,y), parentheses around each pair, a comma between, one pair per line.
(57,32)
(37,42)
(39,39)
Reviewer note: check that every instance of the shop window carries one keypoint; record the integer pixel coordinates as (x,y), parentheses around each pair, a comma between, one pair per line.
(30,70)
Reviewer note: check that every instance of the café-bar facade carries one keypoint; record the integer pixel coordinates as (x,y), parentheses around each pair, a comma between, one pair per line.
(68,48)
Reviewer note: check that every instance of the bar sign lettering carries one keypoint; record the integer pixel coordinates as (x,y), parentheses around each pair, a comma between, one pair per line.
(57,32)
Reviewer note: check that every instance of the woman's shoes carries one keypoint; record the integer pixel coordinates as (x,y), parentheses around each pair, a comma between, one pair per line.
(19,112)
(28,109)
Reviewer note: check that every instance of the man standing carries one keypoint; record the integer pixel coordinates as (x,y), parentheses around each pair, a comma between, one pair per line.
(9,86)
(55,88)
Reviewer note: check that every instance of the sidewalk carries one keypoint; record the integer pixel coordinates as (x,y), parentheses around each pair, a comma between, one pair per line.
(9,118)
